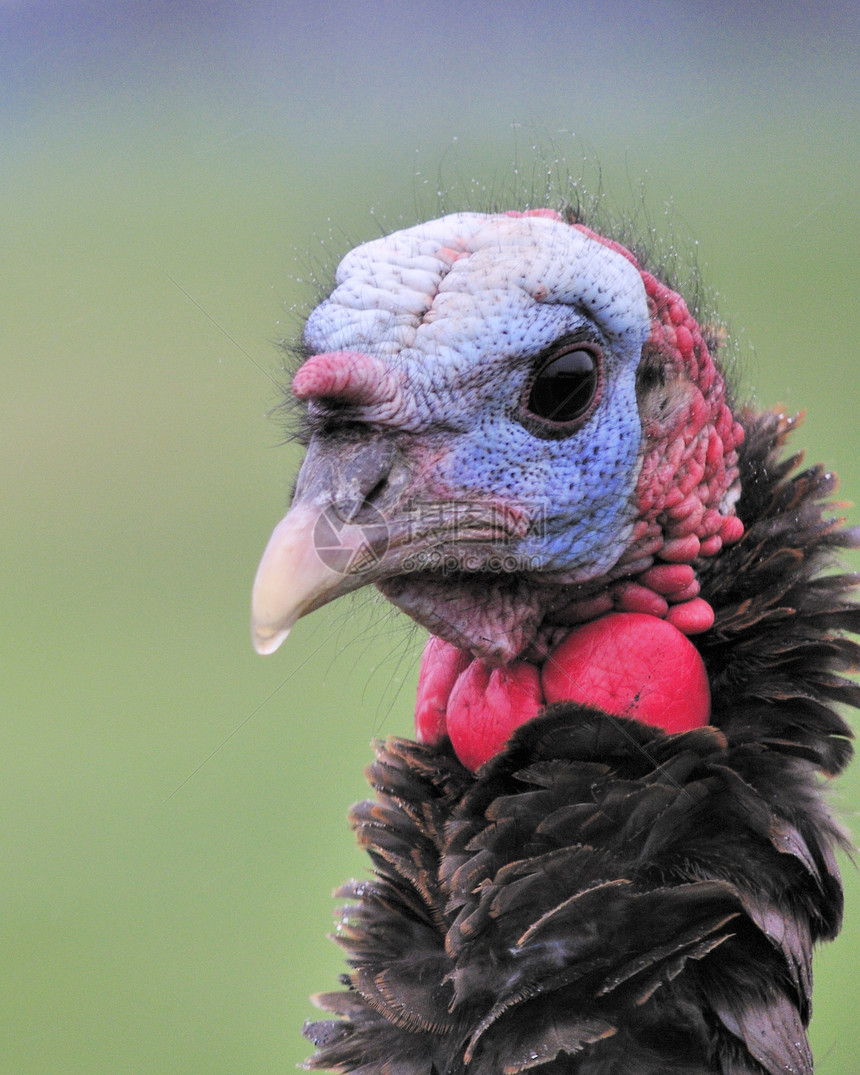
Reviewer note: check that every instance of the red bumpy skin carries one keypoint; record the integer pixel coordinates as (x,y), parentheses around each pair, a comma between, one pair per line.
(688,484)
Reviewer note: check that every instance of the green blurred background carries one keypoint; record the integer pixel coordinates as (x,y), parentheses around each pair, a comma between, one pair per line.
(178,181)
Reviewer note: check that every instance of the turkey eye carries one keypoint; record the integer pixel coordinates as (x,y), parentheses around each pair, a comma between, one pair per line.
(566,387)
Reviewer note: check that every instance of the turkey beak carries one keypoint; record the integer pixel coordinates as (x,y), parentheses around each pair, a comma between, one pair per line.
(291,579)
(326,545)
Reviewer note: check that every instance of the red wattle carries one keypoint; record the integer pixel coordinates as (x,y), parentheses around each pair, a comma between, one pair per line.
(487,705)
(628,664)
(441,664)
(631,665)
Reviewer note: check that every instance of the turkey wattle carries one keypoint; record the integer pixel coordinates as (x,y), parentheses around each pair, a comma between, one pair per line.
(608,851)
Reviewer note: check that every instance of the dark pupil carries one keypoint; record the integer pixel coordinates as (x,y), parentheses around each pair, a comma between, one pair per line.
(565,387)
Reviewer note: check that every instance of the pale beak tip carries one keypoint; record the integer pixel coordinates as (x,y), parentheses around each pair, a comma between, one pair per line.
(293,578)
(266,641)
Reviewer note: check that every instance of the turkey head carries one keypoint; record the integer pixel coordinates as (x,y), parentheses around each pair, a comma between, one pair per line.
(514,429)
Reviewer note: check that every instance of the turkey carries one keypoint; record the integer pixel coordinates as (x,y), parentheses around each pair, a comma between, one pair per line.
(608,849)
